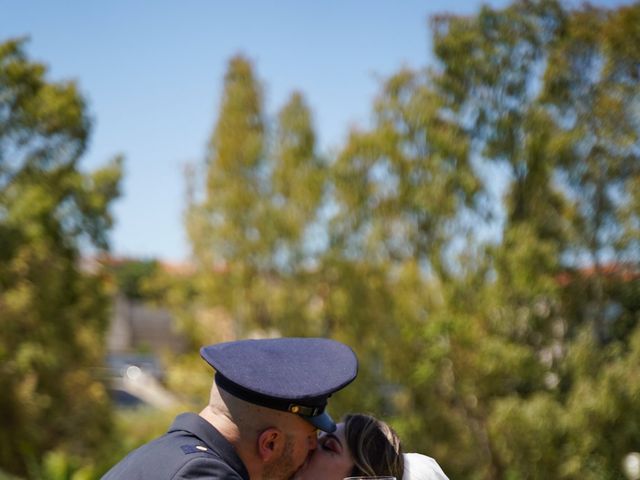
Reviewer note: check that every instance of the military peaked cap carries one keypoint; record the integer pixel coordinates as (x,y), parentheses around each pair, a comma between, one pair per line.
(295,375)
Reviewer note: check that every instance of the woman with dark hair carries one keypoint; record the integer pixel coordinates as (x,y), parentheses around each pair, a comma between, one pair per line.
(362,445)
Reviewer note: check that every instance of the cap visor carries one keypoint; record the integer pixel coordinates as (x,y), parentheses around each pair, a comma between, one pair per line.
(322,422)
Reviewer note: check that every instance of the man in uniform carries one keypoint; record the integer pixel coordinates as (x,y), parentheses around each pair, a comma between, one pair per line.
(267,402)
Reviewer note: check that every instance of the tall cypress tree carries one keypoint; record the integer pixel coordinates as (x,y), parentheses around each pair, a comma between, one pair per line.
(264,188)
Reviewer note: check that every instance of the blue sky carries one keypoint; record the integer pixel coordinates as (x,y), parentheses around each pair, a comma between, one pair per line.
(152,73)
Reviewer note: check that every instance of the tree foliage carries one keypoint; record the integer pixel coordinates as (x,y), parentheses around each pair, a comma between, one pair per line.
(53,314)
(508,359)
(253,223)
(546,113)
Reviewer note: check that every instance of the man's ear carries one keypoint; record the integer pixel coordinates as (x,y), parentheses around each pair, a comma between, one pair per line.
(270,443)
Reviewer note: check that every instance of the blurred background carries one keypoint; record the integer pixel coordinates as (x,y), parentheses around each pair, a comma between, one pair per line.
(451,189)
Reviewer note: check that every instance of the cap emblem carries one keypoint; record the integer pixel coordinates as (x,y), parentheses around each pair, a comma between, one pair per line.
(305,411)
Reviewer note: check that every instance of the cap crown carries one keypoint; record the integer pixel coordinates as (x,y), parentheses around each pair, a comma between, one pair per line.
(302,370)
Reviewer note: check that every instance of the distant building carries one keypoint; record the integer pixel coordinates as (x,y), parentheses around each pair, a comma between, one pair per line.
(138,327)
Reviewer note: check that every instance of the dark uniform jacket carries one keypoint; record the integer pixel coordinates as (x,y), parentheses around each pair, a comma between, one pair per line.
(191,449)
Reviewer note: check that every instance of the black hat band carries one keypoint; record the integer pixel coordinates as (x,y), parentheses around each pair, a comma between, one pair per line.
(256,398)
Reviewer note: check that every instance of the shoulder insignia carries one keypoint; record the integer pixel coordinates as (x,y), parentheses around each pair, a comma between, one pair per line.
(193,449)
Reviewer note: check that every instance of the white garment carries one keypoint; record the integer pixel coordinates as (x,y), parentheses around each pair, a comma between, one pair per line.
(421,467)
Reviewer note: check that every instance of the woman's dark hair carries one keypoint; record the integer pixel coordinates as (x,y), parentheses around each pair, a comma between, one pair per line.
(374,446)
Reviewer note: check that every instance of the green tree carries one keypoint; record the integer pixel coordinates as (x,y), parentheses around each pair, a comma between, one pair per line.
(402,192)
(229,227)
(132,277)
(298,184)
(538,86)
(53,313)
(503,351)
(400,187)
(264,188)
(593,89)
